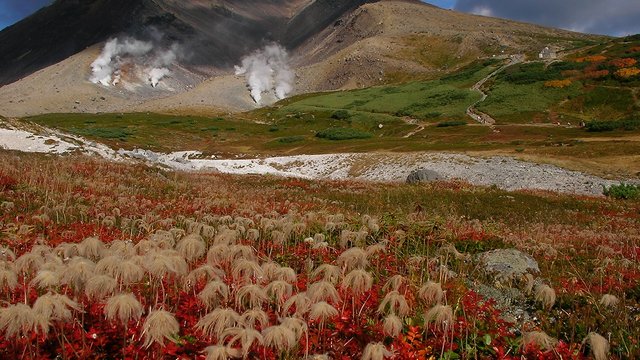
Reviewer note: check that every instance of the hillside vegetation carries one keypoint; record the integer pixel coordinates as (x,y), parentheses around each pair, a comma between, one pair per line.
(580,112)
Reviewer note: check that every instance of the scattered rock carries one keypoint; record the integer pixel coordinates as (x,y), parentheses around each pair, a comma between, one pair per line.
(423,175)
(508,263)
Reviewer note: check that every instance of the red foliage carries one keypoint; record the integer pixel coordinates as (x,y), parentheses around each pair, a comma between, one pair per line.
(7,183)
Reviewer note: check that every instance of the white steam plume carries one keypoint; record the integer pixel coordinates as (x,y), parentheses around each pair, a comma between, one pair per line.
(157,74)
(106,69)
(162,60)
(108,62)
(267,70)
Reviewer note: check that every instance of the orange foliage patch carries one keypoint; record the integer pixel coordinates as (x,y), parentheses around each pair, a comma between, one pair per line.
(558,83)
(592,58)
(627,72)
(623,63)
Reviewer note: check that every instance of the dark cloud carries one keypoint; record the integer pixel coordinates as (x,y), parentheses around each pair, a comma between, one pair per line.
(611,17)
(12,11)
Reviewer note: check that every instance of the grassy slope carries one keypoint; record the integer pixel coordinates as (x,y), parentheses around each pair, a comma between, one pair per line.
(520,100)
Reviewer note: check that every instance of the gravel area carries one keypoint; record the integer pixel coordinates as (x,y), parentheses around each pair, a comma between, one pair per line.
(504,172)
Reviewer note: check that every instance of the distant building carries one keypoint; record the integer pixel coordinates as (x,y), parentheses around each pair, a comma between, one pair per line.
(547,53)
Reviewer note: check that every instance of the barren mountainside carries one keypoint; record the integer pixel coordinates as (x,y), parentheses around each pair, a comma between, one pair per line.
(331,44)
(215,32)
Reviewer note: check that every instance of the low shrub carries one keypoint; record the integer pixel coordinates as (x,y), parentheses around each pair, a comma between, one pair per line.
(602,126)
(290,139)
(623,191)
(338,133)
(452,123)
(340,115)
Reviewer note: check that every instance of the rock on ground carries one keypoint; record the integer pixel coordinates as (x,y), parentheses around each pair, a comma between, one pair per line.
(423,175)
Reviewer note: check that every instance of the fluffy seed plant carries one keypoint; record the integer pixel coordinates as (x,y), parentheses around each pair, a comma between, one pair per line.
(160,325)
(250,296)
(300,302)
(609,301)
(192,247)
(214,324)
(254,318)
(376,351)
(278,291)
(100,286)
(161,266)
(323,291)
(55,309)
(18,320)
(431,293)
(123,308)
(598,346)
(321,312)
(539,339)
(221,352)
(245,271)
(204,272)
(76,273)
(8,278)
(354,258)
(92,248)
(299,328)
(214,294)
(392,325)
(280,338)
(327,272)
(394,303)
(442,317)
(358,282)
(246,337)
(545,295)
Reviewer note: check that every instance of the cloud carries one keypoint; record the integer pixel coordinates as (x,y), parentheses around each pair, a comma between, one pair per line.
(611,17)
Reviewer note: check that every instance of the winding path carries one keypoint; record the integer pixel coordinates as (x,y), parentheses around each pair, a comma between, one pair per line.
(476,114)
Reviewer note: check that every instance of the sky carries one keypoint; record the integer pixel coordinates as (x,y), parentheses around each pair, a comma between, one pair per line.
(12,11)
(608,17)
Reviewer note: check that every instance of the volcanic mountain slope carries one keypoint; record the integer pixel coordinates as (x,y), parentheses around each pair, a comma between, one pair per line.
(216,32)
(333,45)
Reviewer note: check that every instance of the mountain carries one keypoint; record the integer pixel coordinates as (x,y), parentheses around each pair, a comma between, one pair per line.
(333,44)
(217,32)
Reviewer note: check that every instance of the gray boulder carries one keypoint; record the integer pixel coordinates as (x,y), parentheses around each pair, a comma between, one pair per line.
(508,263)
(423,175)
